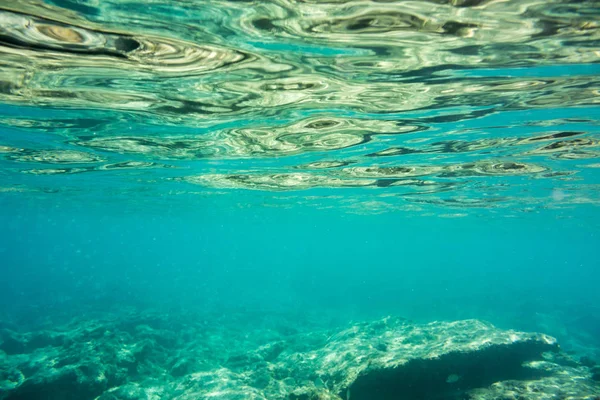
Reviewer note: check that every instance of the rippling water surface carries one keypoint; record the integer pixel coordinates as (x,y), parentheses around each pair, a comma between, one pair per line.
(408,105)
(435,159)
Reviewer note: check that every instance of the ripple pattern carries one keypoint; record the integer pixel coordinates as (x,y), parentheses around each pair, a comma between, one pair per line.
(368,106)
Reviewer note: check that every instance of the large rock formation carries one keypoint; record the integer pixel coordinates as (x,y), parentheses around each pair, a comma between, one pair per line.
(150,356)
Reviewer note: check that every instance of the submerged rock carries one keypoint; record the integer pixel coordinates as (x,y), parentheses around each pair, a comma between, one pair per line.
(148,357)
(441,360)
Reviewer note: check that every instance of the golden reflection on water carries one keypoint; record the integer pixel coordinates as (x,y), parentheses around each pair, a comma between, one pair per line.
(385,95)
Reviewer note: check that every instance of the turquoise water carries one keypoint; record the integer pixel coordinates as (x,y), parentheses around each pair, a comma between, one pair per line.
(219,177)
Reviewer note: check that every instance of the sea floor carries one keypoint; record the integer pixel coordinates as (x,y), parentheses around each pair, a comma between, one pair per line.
(143,354)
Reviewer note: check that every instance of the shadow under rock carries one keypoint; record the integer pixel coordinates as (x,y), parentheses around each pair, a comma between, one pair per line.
(450,376)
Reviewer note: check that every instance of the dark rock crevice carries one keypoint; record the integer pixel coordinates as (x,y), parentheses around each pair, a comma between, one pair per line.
(450,376)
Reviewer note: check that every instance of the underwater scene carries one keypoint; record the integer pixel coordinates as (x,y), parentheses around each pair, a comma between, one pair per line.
(300,199)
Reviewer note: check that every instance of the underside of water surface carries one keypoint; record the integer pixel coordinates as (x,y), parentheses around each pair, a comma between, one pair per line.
(299,199)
